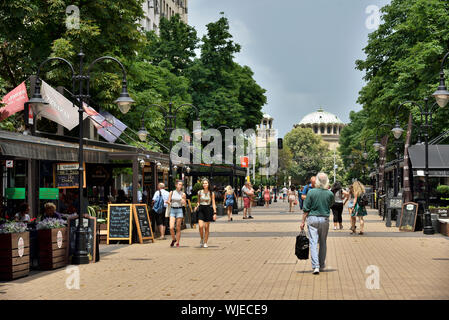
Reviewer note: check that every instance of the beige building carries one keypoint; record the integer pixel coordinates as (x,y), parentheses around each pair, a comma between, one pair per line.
(265,130)
(325,124)
(154,10)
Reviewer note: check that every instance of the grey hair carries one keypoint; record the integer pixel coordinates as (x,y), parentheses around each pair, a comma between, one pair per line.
(322,181)
(161,185)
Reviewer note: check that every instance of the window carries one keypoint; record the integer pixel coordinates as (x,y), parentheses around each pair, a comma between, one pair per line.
(329,129)
(315,129)
(322,129)
(335,130)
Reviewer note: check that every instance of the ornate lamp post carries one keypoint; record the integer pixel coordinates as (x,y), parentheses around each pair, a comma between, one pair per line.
(124,102)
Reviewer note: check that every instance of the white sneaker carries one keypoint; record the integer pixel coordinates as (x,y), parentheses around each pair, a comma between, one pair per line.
(205,245)
(316,271)
(201,243)
(335,228)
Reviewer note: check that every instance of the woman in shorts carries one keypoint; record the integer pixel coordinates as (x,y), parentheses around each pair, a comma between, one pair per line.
(176,200)
(207,212)
(228,201)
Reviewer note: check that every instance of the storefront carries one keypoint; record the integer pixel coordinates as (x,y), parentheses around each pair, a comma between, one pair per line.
(37,170)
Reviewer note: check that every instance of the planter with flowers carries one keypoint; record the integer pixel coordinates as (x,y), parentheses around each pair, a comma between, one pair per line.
(53,243)
(14,250)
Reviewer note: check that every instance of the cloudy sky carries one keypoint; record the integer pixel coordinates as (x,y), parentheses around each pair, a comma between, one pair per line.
(302,52)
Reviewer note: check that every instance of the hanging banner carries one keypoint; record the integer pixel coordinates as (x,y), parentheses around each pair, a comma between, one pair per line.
(244,162)
(112,129)
(14,101)
(59,109)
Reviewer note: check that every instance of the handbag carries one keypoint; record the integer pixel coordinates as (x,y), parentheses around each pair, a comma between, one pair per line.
(167,211)
(302,246)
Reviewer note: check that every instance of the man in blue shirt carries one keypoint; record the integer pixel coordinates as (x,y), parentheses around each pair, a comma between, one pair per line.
(306,189)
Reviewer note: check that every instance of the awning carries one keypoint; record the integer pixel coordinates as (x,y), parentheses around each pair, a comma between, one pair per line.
(438,160)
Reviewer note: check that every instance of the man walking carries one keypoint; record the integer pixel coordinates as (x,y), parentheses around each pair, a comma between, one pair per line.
(317,210)
(247,193)
(160,199)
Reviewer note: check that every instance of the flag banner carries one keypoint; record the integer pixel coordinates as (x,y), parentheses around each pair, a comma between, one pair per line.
(112,129)
(14,101)
(407,194)
(59,109)
(96,118)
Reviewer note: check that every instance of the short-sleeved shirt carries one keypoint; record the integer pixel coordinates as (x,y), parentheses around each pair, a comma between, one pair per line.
(244,191)
(318,202)
(306,189)
(164,194)
(25,218)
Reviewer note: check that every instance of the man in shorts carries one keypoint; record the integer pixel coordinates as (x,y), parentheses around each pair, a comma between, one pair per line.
(247,194)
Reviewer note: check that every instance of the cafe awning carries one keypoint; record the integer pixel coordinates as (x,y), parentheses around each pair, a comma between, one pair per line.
(438,160)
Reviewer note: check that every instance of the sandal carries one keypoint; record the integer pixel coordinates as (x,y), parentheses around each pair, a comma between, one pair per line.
(172,243)
(361,232)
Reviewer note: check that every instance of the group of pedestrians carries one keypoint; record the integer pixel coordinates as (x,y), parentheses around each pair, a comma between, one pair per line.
(206,209)
(319,199)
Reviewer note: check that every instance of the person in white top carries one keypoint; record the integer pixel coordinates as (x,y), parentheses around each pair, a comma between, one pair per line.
(284,193)
(23,214)
(176,200)
(160,216)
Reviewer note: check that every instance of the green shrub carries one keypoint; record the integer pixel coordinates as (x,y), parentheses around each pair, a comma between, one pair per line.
(194,199)
(443,190)
(197,187)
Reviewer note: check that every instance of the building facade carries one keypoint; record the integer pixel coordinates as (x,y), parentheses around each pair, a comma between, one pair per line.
(154,10)
(325,124)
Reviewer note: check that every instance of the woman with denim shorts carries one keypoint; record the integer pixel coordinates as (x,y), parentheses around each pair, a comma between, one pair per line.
(176,200)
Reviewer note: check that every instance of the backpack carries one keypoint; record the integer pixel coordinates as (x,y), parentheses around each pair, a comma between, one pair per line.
(363,201)
(159,205)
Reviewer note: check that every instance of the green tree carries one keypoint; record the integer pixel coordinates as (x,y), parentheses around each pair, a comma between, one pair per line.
(176,43)
(308,154)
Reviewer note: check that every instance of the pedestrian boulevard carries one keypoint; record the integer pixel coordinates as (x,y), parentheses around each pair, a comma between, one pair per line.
(254,259)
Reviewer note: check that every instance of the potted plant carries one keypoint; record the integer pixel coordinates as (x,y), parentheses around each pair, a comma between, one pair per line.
(53,243)
(14,250)
(443,193)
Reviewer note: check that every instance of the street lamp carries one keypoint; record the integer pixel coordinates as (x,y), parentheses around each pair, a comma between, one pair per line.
(427,112)
(441,95)
(124,103)
(170,124)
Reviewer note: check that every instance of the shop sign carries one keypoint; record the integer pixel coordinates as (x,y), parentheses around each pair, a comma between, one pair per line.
(48,193)
(20,247)
(244,162)
(9,164)
(59,239)
(67,175)
(15,193)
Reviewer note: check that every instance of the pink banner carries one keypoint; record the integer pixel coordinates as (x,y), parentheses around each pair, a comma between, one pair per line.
(14,101)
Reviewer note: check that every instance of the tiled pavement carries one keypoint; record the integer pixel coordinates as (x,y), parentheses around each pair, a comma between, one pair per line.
(254,259)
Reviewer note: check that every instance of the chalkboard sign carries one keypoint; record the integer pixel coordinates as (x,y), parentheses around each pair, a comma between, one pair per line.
(91,224)
(143,223)
(394,203)
(119,222)
(67,175)
(408,216)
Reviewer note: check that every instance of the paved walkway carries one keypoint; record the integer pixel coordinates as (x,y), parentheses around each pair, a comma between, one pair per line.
(254,259)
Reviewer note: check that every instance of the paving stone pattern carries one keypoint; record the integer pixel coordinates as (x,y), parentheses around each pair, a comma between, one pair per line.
(254,259)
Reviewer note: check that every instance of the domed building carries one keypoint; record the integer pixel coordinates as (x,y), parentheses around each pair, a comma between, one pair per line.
(325,124)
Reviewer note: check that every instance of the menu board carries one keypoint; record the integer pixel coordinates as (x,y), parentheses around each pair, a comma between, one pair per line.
(143,223)
(119,222)
(91,224)
(408,216)
(394,203)
(67,175)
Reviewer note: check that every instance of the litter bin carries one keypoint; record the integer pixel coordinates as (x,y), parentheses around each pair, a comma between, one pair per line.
(435,223)
(220,210)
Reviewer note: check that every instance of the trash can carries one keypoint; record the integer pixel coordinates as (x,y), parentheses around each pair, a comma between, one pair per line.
(435,223)
(220,210)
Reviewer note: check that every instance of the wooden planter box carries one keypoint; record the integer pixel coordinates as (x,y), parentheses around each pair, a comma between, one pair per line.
(103,229)
(53,246)
(14,255)
(444,226)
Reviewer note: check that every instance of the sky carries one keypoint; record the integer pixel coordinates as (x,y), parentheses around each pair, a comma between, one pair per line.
(302,52)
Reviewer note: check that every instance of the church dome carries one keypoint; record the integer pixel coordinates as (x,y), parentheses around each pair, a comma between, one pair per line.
(320,117)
